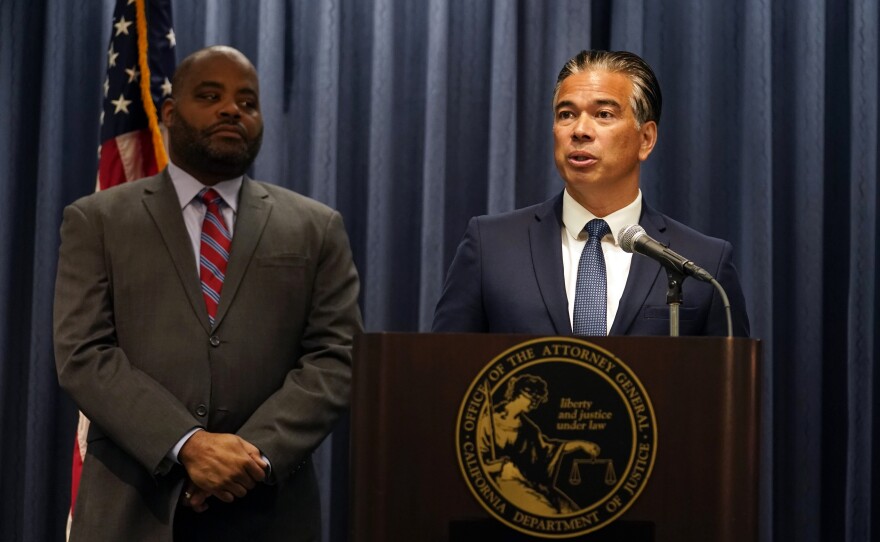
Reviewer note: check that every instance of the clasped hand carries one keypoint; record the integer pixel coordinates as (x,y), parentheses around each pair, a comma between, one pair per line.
(221,465)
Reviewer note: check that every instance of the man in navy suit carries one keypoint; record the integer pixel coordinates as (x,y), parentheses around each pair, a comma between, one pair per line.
(517,272)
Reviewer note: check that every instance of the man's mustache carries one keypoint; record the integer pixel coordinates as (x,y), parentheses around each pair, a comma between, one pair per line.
(239,127)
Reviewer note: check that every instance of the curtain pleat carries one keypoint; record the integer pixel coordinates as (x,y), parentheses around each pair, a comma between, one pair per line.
(378,292)
(861,301)
(502,109)
(754,237)
(433,202)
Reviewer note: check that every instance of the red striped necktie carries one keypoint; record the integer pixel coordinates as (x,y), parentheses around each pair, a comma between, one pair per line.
(214,251)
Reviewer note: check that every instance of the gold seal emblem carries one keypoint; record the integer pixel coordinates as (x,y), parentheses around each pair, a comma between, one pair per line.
(556,437)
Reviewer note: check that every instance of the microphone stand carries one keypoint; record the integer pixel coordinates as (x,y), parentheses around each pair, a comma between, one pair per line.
(673,297)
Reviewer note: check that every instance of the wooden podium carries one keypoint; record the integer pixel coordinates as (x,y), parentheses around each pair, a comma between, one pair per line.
(407,485)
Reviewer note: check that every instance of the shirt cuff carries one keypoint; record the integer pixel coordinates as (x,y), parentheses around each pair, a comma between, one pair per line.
(268,469)
(173,452)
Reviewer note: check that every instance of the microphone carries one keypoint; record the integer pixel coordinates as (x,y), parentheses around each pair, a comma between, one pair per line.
(634,238)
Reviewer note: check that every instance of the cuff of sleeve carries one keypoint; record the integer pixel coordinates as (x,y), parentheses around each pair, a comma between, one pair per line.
(173,452)
(270,480)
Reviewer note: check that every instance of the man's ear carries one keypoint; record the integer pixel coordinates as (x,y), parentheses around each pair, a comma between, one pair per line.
(648,133)
(167,110)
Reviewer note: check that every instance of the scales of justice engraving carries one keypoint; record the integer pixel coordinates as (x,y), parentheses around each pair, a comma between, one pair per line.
(524,462)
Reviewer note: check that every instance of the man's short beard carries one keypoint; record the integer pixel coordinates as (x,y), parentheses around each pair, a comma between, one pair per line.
(197,152)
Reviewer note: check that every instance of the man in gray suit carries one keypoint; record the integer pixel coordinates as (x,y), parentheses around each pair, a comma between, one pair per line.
(204,409)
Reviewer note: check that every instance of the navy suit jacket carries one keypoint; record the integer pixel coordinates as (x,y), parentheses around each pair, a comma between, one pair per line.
(507,277)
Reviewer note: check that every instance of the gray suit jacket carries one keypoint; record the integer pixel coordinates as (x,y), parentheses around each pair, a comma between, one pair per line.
(134,349)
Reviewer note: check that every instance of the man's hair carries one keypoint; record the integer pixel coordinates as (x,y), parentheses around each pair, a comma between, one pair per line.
(646,98)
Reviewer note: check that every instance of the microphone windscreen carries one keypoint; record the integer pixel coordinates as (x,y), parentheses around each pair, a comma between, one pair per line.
(628,235)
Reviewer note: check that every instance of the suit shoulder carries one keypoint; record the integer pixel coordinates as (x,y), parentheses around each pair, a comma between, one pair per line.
(517,217)
(682,231)
(116,197)
(289,198)
(691,242)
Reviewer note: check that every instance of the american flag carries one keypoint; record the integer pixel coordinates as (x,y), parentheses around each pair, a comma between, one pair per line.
(140,63)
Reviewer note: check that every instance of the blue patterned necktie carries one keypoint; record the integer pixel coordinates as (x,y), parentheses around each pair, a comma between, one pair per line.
(590,298)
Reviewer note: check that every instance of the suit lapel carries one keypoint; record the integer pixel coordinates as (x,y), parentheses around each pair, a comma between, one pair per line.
(253,212)
(163,205)
(546,247)
(643,273)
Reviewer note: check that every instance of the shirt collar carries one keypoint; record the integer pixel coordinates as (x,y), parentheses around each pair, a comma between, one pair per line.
(575,217)
(187,187)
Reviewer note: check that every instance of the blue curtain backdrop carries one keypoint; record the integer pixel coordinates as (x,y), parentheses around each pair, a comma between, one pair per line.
(410,116)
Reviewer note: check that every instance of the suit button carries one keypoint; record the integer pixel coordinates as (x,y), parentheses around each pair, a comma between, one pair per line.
(214,340)
(202,411)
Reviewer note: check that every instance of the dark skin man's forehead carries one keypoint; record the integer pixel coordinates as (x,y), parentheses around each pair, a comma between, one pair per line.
(245,88)
(202,68)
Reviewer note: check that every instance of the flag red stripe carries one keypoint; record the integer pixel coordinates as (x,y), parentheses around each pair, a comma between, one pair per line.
(76,472)
(137,150)
(110,169)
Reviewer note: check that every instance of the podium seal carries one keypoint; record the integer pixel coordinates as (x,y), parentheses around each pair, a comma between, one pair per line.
(556,437)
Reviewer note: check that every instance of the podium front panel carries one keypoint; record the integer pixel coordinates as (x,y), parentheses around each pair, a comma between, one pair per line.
(407,484)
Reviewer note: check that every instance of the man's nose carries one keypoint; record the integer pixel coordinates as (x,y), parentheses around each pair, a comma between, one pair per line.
(583,127)
(230,108)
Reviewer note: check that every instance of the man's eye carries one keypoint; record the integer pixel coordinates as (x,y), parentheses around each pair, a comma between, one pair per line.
(565,115)
(605,115)
(208,96)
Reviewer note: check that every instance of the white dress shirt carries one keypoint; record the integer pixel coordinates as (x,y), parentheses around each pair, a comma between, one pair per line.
(617,262)
(194,210)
